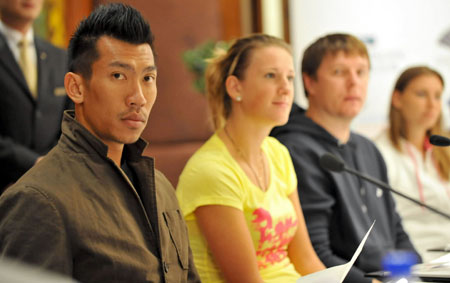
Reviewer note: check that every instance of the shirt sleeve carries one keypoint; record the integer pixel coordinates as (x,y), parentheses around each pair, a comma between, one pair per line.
(387,159)
(32,230)
(284,168)
(289,170)
(210,182)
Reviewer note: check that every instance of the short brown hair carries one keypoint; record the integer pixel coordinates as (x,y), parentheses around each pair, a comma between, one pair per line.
(330,44)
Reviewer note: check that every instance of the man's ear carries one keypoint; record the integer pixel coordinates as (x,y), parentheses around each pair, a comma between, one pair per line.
(233,87)
(309,83)
(396,99)
(74,87)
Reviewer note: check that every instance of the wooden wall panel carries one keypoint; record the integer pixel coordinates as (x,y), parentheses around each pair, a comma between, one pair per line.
(231,18)
(75,11)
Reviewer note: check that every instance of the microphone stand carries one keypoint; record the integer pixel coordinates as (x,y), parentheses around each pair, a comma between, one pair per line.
(387,187)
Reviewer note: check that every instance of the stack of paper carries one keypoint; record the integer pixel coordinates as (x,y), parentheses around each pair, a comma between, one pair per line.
(436,269)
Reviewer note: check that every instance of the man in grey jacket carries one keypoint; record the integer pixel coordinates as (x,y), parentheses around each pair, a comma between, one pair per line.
(94,208)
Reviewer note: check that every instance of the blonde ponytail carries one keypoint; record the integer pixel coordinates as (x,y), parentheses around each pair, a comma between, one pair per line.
(233,63)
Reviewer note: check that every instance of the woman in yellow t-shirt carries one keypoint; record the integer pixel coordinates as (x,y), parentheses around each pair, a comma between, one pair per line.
(238,192)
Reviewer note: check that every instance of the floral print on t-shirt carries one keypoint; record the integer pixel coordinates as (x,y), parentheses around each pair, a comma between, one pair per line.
(274,237)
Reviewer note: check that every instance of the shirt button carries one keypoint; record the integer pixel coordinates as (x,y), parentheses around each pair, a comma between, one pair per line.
(379,192)
(362,191)
(166,267)
(364,208)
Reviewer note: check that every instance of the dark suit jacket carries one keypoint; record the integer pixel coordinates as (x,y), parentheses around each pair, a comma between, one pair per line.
(29,128)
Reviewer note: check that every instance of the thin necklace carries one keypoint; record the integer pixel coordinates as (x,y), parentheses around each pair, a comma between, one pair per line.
(261,183)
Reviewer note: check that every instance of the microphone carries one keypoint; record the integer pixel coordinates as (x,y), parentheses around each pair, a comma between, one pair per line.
(439,140)
(332,163)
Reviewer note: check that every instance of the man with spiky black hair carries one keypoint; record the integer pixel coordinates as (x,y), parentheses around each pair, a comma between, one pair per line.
(94,208)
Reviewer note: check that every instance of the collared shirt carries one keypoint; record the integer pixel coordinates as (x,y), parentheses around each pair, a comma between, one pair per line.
(13,37)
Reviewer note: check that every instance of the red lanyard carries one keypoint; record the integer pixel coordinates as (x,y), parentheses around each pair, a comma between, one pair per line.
(416,168)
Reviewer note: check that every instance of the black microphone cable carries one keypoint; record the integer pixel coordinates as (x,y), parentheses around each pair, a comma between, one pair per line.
(332,163)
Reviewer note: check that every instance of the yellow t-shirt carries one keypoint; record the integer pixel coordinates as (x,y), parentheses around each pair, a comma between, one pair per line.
(213,177)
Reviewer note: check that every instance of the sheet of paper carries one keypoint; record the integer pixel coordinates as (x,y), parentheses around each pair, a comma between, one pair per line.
(439,267)
(13,271)
(335,274)
(442,259)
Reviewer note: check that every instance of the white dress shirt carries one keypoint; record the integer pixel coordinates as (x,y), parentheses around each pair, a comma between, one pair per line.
(13,37)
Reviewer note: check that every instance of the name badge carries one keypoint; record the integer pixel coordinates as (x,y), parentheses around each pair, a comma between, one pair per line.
(59,91)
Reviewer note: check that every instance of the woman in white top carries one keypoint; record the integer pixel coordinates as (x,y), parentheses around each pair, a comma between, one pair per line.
(415,167)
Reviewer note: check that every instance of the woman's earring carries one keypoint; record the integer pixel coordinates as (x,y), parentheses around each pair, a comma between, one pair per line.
(238,98)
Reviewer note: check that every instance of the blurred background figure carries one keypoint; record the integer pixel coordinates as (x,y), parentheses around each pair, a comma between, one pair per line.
(238,192)
(32,95)
(415,167)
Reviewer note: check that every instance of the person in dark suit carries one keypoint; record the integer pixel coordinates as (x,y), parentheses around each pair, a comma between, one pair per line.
(30,109)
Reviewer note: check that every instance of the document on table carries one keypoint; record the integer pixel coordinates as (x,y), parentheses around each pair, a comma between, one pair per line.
(335,274)
(13,271)
(436,269)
